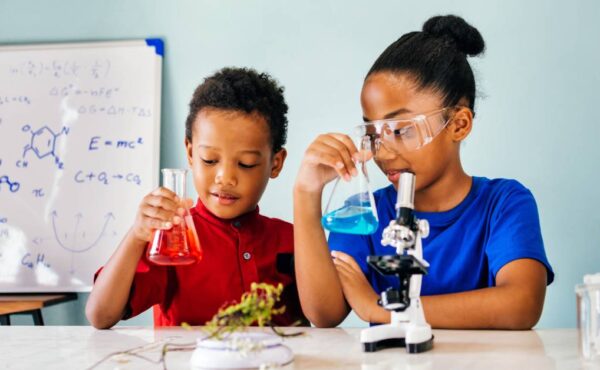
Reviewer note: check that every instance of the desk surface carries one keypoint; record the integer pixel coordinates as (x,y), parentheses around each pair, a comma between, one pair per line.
(10,303)
(78,347)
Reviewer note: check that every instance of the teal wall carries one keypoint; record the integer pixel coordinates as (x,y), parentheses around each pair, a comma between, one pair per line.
(538,88)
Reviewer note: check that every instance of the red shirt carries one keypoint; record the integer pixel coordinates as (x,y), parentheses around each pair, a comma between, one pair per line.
(236,253)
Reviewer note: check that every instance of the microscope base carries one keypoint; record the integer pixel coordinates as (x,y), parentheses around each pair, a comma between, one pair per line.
(416,339)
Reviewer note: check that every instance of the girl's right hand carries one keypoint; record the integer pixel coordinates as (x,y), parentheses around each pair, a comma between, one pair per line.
(329,156)
(161,209)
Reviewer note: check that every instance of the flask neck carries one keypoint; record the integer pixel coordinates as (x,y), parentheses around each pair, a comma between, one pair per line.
(175,180)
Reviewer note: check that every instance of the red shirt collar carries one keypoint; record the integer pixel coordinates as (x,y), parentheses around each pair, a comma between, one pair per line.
(240,220)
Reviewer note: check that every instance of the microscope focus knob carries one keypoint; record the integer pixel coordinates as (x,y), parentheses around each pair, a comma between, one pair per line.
(424,228)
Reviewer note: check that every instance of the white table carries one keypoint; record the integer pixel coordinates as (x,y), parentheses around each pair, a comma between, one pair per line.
(78,347)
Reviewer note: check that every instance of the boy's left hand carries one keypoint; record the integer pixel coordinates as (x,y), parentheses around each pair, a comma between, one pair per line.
(357,290)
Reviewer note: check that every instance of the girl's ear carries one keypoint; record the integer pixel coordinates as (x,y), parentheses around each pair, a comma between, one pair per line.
(461,125)
(277,162)
(188,151)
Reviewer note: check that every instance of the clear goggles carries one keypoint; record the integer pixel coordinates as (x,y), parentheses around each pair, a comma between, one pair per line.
(404,135)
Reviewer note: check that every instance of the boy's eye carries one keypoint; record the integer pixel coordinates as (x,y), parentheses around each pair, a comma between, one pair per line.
(208,161)
(243,165)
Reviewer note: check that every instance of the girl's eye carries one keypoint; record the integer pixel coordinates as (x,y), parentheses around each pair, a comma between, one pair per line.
(243,165)
(208,161)
(405,132)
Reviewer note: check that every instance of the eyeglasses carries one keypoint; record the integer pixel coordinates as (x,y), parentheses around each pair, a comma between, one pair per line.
(405,135)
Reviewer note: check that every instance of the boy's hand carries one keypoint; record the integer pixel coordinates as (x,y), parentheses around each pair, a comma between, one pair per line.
(329,156)
(161,209)
(357,290)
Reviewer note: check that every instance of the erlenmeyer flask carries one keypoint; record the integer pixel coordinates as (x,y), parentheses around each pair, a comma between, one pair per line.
(178,245)
(351,206)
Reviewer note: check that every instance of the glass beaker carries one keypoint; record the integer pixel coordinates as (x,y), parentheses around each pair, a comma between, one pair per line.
(588,316)
(351,206)
(178,245)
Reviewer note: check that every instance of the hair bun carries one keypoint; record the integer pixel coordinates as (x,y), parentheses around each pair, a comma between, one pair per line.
(466,37)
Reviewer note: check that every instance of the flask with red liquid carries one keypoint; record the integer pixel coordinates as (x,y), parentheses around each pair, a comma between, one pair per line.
(178,245)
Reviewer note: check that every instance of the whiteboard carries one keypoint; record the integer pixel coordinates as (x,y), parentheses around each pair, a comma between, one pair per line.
(79,148)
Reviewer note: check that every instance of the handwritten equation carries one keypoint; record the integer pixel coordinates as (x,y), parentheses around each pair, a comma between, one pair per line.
(96,142)
(106,178)
(72,90)
(114,110)
(14,99)
(99,68)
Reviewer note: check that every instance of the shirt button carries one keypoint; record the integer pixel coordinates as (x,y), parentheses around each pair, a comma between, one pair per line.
(247,256)
(237,224)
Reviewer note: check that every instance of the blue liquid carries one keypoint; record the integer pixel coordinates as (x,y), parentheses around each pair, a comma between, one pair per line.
(351,220)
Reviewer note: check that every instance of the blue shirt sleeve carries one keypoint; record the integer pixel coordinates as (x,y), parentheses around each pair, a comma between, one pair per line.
(515,232)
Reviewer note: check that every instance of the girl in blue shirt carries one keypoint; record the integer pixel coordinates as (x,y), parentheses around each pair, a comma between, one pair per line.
(488,265)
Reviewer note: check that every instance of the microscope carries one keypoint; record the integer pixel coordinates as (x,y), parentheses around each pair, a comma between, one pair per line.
(407,327)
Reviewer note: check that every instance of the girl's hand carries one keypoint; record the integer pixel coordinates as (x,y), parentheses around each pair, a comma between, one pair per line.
(357,290)
(329,156)
(161,209)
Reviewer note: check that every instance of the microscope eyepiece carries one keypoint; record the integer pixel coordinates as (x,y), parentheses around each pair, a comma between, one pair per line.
(405,204)
(406,191)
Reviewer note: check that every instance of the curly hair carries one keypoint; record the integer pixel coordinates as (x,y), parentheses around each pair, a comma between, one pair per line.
(246,90)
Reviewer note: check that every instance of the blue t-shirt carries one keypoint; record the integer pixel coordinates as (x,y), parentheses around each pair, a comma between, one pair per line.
(495,224)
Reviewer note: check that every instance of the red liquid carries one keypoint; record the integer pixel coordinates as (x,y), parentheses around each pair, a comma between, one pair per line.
(176,246)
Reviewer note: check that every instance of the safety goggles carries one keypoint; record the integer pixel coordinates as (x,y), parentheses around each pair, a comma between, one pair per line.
(405,135)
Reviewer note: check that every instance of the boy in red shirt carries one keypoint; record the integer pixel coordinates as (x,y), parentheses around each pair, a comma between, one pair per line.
(234,139)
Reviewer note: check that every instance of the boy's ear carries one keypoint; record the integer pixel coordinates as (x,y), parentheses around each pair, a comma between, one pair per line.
(277,162)
(188,151)
(462,124)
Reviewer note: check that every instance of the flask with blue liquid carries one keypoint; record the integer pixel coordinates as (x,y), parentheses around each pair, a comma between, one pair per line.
(351,206)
